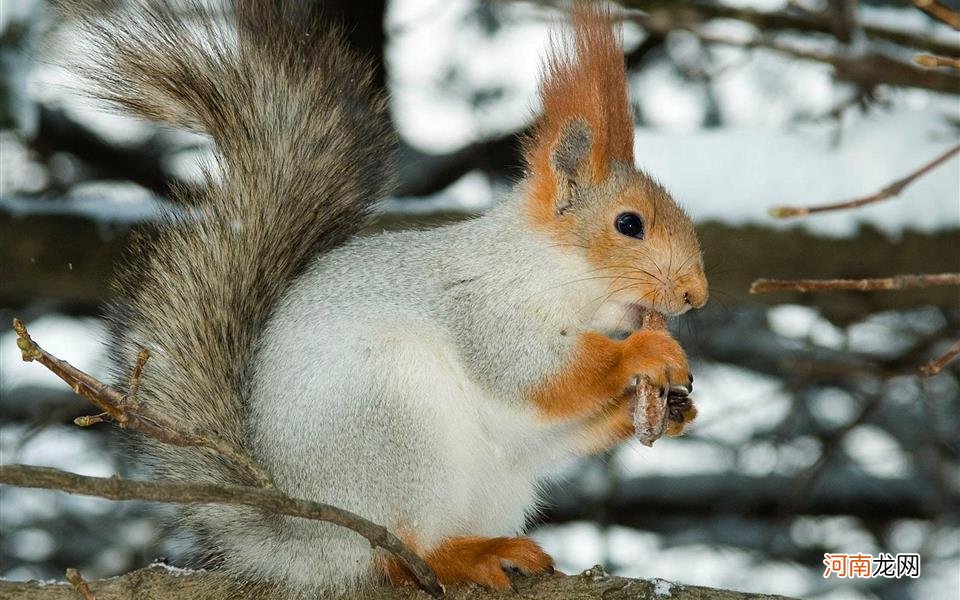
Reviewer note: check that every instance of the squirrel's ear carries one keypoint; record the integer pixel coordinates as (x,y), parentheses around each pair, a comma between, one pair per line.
(586,122)
(570,161)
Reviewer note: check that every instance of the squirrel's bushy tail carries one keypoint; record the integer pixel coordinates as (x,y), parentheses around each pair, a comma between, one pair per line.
(302,153)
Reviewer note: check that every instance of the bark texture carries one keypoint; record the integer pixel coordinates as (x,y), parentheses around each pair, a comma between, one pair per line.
(163,583)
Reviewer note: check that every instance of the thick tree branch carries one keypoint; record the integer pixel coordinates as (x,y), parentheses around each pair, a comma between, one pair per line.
(644,501)
(893,189)
(116,488)
(158,582)
(882,284)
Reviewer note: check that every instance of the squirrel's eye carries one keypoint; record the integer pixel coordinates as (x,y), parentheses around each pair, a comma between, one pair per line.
(630,224)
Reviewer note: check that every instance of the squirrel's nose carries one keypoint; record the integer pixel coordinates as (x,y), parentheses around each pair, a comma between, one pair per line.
(695,293)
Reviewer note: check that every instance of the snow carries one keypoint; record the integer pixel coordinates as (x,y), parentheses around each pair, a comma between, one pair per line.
(662,587)
(876,452)
(735,403)
(734,175)
(804,323)
(116,203)
(774,149)
(832,407)
(67,448)
(31,544)
(671,456)
(18,171)
(460,74)
(175,570)
(470,194)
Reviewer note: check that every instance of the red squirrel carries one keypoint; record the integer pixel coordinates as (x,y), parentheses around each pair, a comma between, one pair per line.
(426,380)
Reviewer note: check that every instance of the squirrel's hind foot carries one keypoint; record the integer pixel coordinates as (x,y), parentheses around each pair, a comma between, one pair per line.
(480,560)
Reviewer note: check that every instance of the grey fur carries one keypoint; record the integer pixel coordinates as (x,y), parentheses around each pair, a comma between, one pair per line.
(302,155)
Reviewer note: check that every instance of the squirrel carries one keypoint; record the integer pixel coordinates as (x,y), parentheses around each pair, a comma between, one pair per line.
(426,380)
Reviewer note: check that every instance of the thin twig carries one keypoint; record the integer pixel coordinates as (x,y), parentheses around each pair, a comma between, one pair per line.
(79,584)
(940,12)
(116,488)
(932,61)
(935,366)
(142,357)
(882,284)
(785,212)
(129,414)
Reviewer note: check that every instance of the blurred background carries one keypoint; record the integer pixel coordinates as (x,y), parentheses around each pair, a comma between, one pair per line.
(815,434)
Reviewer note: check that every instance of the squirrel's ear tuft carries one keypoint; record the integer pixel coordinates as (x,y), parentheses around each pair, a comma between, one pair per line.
(586,121)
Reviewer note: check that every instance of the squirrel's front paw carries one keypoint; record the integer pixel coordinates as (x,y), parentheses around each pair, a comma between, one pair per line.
(680,412)
(656,356)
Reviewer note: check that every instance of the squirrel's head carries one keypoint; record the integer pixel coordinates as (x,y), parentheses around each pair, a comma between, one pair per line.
(582,187)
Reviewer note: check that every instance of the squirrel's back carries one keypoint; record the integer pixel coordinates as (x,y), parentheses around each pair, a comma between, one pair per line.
(301,154)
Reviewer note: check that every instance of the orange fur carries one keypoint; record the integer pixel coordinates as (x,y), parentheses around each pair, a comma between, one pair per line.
(480,560)
(601,368)
(583,79)
(584,84)
(611,426)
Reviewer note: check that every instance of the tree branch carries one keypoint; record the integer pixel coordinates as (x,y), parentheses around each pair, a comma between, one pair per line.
(932,61)
(893,189)
(882,284)
(80,584)
(940,12)
(935,366)
(158,582)
(126,412)
(866,69)
(116,488)
(694,12)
